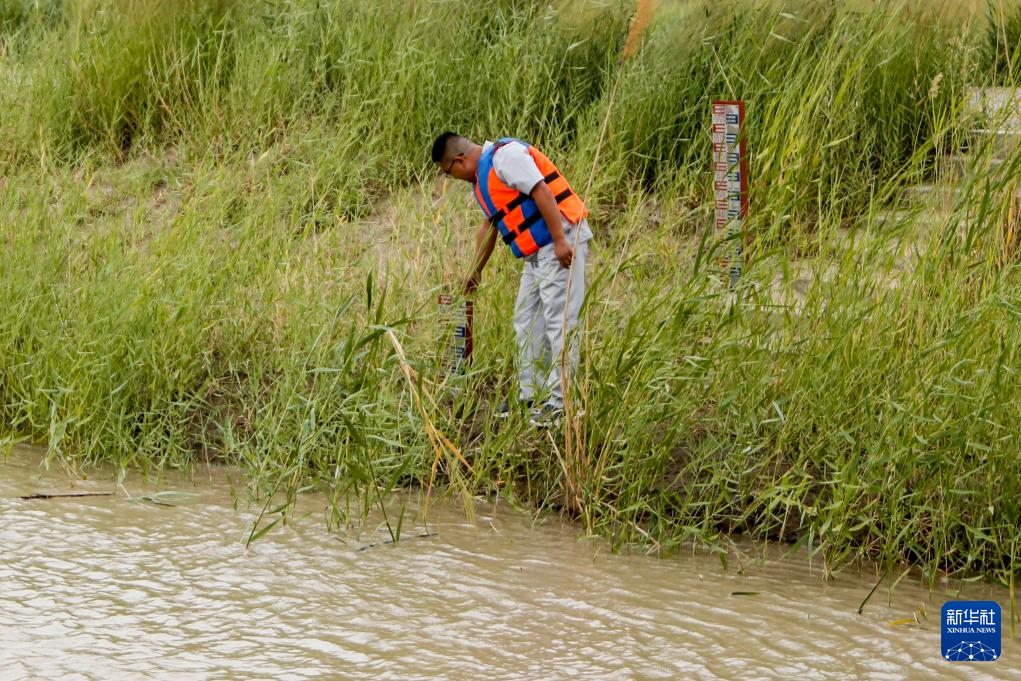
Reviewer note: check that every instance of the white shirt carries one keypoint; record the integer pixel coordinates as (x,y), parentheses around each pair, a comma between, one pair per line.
(515,167)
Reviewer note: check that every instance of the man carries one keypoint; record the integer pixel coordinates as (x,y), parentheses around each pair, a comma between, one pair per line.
(529,205)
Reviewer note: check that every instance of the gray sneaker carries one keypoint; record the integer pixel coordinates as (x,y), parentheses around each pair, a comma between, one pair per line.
(547,416)
(503,411)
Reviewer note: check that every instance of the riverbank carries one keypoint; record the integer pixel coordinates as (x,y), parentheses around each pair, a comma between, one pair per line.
(209,224)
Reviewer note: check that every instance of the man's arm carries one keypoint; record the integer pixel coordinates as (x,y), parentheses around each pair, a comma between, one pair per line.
(485,240)
(516,168)
(547,204)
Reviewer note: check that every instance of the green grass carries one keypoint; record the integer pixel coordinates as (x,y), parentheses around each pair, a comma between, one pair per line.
(1001,58)
(213,212)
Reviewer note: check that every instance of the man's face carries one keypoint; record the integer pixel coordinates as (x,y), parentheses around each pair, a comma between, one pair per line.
(459,167)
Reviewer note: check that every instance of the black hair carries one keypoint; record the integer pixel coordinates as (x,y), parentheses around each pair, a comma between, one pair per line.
(441,144)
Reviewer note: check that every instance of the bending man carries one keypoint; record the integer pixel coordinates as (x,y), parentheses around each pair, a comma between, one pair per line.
(530,206)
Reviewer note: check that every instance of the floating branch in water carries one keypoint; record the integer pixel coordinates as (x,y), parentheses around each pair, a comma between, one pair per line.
(67,494)
(394,541)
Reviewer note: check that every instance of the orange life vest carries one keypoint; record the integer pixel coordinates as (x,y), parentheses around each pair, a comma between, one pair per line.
(514,213)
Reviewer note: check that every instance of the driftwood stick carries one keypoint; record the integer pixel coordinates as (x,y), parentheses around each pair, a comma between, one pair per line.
(67,494)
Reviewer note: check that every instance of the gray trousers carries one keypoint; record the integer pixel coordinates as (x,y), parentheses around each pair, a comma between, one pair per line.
(539,321)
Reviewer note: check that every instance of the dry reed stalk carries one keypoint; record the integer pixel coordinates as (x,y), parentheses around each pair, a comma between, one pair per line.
(575,459)
(438,440)
(1003,33)
(643,17)
(1013,221)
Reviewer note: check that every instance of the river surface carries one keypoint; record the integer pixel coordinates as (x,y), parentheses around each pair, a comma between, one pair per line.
(115,588)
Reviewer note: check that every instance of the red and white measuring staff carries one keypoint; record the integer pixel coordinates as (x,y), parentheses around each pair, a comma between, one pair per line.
(730,181)
(457,320)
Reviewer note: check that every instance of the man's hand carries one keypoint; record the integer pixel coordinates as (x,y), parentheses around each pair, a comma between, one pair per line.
(564,252)
(547,205)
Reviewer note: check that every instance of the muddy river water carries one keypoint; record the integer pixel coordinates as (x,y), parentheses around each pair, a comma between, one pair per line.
(115,588)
